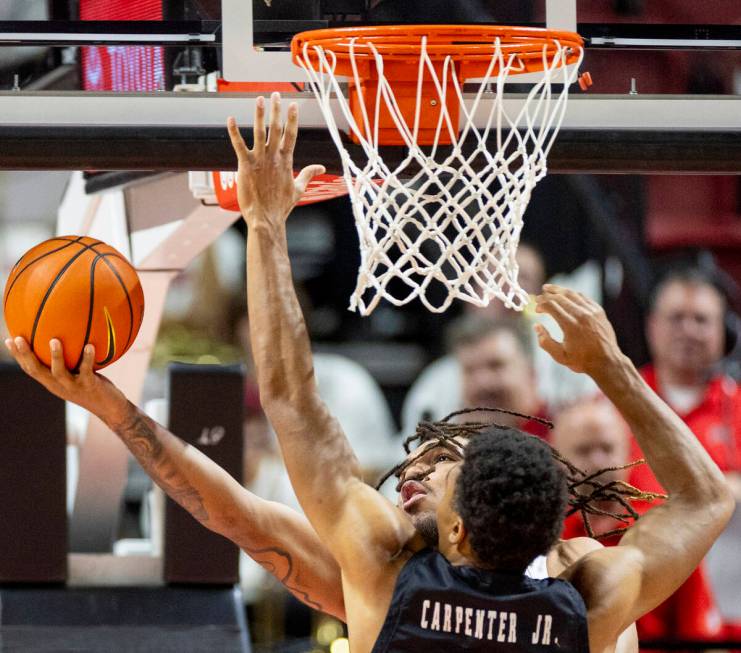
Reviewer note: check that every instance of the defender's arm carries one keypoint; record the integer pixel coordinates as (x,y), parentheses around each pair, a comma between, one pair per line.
(278,538)
(352,519)
(659,552)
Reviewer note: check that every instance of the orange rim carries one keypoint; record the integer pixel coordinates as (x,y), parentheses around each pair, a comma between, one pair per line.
(472,45)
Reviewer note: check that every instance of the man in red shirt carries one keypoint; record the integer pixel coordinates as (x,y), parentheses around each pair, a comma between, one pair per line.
(593,436)
(686,338)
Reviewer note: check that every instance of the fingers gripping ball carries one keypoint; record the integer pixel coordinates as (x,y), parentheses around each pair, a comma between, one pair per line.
(79,290)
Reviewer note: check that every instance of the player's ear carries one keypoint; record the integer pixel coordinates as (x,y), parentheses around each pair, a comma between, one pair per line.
(458,532)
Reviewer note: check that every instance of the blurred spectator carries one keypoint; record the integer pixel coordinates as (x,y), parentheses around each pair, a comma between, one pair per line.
(494,361)
(688,336)
(687,339)
(438,390)
(593,436)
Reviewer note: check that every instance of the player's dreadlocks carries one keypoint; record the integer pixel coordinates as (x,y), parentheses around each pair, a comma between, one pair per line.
(585,490)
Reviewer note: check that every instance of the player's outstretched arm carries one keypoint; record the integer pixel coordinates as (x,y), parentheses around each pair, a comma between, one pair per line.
(620,584)
(351,518)
(278,538)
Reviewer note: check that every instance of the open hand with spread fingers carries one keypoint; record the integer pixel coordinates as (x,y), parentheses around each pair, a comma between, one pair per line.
(88,389)
(589,341)
(266,188)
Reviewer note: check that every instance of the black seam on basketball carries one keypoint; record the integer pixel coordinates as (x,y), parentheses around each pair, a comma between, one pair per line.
(76,239)
(89,311)
(115,254)
(86,248)
(102,256)
(30,263)
(123,287)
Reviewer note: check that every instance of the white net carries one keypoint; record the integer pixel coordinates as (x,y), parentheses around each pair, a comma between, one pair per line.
(445,222)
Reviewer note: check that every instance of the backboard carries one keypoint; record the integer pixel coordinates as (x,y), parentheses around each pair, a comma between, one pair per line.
(256,34)
(665,96)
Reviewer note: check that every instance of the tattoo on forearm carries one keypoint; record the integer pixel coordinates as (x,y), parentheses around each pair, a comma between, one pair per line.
(140,436)
(269,558)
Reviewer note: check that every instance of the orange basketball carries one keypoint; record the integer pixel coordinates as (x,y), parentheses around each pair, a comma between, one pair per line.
(79,290)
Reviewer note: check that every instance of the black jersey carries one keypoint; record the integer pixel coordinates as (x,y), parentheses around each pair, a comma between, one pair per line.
(440,607)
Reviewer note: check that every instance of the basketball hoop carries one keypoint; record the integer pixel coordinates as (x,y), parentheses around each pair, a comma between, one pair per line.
(446,221)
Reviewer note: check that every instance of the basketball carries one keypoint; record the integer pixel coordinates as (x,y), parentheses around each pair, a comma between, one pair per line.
(79,290)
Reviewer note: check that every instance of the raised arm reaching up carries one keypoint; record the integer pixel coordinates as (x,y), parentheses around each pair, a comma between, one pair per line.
(363,530)
(620,584)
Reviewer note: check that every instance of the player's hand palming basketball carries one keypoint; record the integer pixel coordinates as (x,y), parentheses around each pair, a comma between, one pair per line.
(88,389)
(589,340)
(266,188)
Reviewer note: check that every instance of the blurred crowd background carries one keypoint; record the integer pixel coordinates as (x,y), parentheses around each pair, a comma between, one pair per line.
(662,254)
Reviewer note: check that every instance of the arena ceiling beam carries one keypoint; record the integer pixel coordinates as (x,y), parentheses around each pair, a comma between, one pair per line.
(178,131)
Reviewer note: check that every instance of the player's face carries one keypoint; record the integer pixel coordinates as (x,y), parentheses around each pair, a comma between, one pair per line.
(446,516)
(422,484)
(685,330)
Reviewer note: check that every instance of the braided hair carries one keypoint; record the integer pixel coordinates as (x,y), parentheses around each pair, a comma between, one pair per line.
(585,491)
